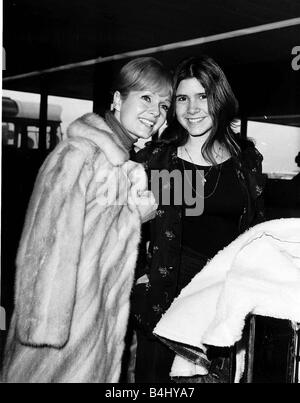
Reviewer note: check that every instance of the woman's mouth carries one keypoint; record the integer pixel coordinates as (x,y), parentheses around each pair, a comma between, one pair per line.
(146,122)
(195,120)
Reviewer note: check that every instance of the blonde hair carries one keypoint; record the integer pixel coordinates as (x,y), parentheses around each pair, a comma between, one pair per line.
(144,73)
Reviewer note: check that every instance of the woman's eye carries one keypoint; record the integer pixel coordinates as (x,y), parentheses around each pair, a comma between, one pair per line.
(181,98)
(165,107)
(146,98)
(202,96)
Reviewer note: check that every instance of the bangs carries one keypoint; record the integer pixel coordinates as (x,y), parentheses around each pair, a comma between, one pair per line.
(153,80)
(145,73)
(156,84)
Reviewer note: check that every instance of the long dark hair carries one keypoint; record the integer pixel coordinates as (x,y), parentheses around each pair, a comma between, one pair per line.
(222,106)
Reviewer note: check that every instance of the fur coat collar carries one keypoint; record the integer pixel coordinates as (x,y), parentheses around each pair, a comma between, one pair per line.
(92,127)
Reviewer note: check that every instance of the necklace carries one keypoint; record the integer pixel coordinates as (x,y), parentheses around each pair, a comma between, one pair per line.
(203,177)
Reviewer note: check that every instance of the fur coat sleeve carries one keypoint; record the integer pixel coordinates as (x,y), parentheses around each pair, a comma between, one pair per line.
(45,260)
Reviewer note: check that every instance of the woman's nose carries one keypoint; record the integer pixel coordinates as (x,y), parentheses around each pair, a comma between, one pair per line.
(155,110)
(193,106)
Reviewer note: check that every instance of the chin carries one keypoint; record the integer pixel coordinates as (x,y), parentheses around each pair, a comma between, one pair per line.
(200,133)
(197,134)
(145,135)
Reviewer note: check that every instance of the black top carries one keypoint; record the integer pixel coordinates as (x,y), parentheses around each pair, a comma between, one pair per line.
(223,203)
(162,262)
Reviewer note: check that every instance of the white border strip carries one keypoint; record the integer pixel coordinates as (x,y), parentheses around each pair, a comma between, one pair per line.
(163,48)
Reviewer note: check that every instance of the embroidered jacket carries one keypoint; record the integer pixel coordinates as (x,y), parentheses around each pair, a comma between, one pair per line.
(162,260)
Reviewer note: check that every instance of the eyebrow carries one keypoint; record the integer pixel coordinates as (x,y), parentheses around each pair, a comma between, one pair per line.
(186,95)
(168,97)
(198,93)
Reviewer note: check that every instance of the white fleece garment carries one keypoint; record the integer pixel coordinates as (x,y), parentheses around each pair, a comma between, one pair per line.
(258,273)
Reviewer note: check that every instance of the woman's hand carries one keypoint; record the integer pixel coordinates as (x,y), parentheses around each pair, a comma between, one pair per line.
(142,280)
(139,197)
(146,204)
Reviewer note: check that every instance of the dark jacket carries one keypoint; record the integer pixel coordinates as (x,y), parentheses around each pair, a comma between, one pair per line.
(161,261)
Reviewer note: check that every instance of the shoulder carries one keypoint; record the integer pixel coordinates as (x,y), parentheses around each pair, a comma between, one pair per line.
(249,155)
(75,150)
(91,129)
(67,161)
(145,154)
(155,155)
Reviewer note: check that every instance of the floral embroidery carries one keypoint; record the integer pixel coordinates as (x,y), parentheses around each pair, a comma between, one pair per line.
(170,235)
(174,156)
(155,151)
(163,271)
(257,153)
(160,213)
(138,318)
(241,175)
(167,297)
(155,248)
(157,308)
(258,190)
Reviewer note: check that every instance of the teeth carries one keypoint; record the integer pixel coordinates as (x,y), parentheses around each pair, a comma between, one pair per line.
(195,120)
(147,122)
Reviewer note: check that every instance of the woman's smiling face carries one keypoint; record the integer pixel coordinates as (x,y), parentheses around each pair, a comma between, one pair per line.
(192,108)
(142,113)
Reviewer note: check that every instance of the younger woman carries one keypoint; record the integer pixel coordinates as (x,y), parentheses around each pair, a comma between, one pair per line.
(199,143)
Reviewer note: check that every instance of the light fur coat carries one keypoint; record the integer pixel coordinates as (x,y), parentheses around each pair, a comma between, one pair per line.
(76,262)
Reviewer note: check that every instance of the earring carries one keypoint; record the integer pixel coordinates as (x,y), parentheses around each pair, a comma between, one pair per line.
(116,106)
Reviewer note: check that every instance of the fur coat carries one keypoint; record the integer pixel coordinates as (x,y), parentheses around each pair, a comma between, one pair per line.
(76,260)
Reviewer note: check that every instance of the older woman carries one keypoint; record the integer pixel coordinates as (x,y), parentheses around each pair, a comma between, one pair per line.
(221,193)
(78,250)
